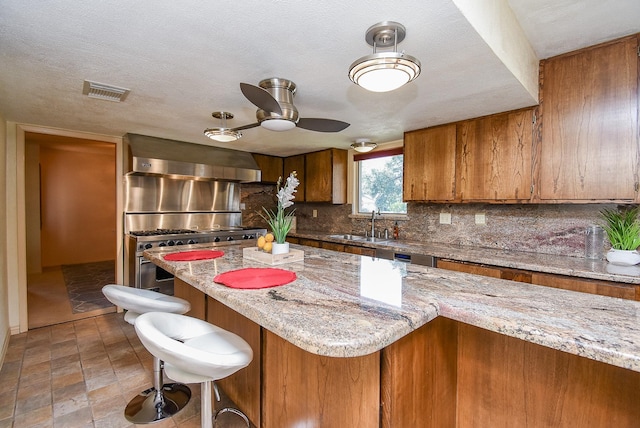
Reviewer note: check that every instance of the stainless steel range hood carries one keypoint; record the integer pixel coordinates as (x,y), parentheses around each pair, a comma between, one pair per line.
(161,157)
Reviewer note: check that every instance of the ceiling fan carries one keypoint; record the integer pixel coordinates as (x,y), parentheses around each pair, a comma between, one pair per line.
(276,112)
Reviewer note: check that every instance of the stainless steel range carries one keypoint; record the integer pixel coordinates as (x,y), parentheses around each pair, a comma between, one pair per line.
(177,194)
(144,274)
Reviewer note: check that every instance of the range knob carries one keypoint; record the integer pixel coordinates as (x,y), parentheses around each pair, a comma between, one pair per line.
(147,246)
(191,241)
(171,243)
(162,244)
(230,238)
(179,243)
(248,236)
(217,239)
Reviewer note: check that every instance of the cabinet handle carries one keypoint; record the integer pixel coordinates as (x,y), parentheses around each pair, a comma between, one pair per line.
(636,187)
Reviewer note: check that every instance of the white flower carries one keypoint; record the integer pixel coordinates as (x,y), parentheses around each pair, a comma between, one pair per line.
(280,222)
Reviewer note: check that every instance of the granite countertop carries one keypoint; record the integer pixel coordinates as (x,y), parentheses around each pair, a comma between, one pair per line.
(535,262)
(345,305)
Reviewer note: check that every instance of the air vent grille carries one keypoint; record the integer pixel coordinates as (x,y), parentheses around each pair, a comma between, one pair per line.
(102,91)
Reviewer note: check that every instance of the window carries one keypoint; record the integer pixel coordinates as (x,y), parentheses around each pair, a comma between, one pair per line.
(380,182)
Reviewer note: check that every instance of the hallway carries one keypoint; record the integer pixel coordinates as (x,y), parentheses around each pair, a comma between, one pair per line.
(48,301)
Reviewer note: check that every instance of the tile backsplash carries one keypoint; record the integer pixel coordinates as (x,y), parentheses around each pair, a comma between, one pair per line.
(549,228)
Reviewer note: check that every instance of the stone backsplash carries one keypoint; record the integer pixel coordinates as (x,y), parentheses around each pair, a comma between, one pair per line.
(549,228)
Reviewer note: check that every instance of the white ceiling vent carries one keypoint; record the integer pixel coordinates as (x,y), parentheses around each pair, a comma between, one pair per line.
(104,92)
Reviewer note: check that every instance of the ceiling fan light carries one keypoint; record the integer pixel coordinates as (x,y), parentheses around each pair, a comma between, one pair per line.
(224,135)
(277,124)
(363,145)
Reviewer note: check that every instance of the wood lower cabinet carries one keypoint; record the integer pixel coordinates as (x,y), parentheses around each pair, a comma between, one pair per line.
(303,389)
(583,285)
(602,288)
(244,386)
(483,270)
(507,382)
(589,148)
(195,297)
(494,157)
(430,164)
(419,378)
(271,167)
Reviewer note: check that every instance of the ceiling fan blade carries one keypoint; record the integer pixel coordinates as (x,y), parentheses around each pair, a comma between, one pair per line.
(243,127)
(322,125)
(261,98)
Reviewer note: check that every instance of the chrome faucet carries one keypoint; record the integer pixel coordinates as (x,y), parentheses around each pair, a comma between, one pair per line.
(373,222)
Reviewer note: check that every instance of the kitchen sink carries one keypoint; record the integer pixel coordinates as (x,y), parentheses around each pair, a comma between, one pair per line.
(360,238)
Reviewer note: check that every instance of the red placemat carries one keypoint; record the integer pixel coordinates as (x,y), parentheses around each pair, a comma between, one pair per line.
(188,256)
(255,278)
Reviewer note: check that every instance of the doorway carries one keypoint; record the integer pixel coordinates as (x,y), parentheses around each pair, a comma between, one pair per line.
(70,197)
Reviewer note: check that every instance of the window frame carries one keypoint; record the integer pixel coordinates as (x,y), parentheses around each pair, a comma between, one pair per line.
(357,158)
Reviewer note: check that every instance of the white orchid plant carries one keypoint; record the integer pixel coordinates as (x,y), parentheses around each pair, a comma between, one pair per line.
(279,221)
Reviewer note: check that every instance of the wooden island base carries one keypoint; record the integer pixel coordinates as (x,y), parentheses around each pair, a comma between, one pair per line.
(445,374)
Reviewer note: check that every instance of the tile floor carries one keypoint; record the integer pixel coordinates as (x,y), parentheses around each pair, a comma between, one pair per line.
(82,374)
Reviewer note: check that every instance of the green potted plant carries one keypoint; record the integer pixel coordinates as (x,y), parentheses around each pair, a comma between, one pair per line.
(280,221)
(623,231)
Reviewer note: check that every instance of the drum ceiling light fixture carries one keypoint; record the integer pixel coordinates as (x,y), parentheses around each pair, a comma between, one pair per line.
(222,133)
(384,71)
(363,145)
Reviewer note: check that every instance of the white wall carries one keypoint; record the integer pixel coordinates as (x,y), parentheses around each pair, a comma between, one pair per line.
(4,297)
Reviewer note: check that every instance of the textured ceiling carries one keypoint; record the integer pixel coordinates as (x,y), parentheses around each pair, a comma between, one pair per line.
(184,60)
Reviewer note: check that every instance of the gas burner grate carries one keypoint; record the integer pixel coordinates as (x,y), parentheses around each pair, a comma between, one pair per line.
(157,232)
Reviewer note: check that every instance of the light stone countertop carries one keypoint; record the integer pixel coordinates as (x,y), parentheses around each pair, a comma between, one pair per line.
(535,262)
(345,305)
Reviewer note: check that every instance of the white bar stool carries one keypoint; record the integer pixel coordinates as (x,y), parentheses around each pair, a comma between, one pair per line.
(161,400)
(195,351)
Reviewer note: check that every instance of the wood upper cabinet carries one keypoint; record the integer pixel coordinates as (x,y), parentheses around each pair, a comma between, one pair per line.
(296,163)
(326,176)
(271,167)
(494,157)
(430,164)
(589,148)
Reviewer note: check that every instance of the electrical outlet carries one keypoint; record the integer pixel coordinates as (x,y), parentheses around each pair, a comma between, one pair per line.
(242,206)
(481,218)
(445,218)
(315,213)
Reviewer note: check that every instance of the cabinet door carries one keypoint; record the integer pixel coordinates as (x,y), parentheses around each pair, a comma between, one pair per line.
(494,157)
(430,164)
(326,176)
(296,163)
(271,167)
(589,146)
(603,288)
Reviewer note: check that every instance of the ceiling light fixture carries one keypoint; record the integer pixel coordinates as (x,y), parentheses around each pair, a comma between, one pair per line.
(222,133)
(363,145)
(384,71)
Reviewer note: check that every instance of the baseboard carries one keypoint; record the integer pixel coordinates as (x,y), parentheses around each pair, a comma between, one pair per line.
(5,347)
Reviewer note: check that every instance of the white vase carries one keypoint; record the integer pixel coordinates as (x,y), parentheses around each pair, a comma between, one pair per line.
(623,257)
(279,248)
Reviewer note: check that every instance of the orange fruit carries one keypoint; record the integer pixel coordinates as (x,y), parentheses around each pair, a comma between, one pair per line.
(267,247)
(261,241)
(269,237)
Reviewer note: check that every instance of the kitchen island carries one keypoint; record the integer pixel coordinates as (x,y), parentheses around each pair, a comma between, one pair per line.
(359,341)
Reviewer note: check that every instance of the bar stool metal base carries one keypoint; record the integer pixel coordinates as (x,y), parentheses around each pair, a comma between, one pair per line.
(149,406)
(231,410)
